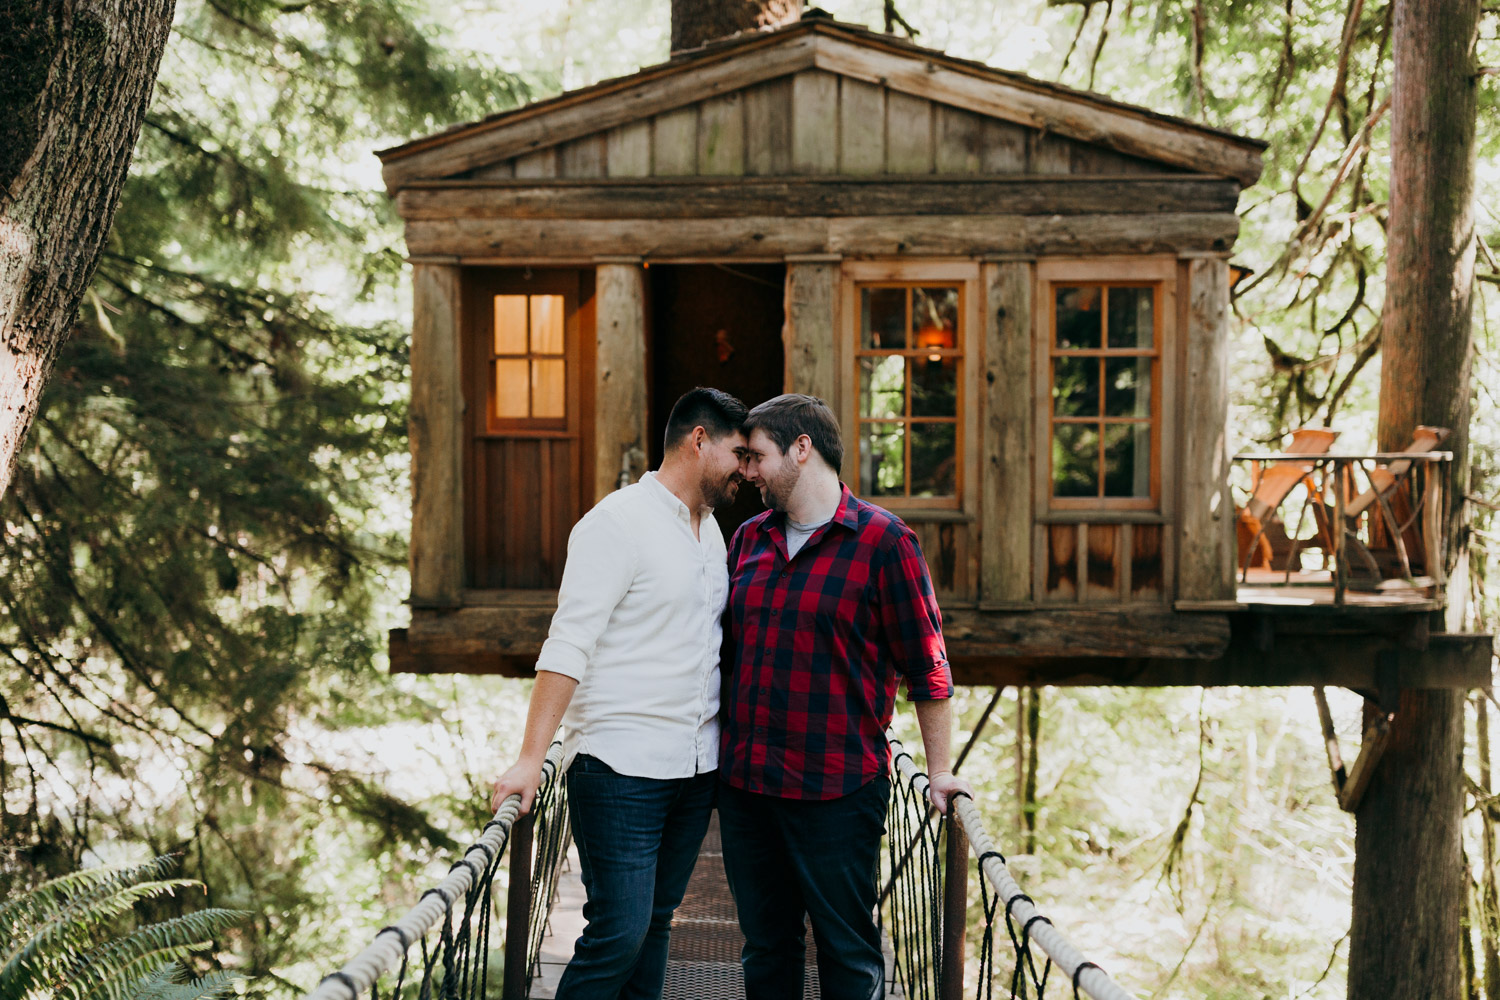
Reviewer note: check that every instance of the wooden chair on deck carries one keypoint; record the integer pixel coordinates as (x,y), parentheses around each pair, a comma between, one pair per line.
(1389,492)
(1271,487)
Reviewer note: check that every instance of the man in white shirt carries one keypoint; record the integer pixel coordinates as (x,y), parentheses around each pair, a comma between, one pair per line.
(631,669)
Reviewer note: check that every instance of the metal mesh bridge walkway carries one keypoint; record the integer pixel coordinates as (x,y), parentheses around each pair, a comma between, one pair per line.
(500,926)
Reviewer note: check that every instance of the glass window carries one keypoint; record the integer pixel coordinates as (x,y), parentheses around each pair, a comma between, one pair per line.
(1104,375)
(529,373)
(909,365)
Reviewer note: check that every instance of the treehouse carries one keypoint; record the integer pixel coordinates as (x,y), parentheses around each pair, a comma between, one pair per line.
(1014,294)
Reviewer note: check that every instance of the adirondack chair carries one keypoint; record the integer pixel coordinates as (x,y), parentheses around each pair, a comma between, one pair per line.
(1272,486)
(1389,493)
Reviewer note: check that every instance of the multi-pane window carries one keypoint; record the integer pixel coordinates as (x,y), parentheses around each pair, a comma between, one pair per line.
(1105,356)
(528,363)
(910,363)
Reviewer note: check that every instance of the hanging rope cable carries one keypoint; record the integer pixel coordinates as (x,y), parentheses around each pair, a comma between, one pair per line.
(1035,929)
(459,965)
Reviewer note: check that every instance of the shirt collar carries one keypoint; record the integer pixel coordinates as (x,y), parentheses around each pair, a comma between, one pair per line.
(670,499)
(846,514)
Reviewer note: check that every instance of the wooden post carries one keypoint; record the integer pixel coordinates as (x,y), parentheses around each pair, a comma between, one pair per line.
(436,426)
(1005,447)
(1206,549)
(810,333)
(518,910)
(955,906)
(619,373)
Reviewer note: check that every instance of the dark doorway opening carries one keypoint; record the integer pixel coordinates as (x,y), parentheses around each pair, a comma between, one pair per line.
(720,326)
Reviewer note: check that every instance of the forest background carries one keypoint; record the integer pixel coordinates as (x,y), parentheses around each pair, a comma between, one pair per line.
(204,545)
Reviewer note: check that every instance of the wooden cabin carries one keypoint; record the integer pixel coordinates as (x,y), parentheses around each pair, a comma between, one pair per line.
(1014,294)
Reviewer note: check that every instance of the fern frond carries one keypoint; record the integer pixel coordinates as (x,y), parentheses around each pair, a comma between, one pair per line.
(163,985)
(57,893)
(107,971)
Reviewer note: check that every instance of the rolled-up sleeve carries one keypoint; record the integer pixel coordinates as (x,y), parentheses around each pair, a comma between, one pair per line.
(600,566)
(911,622)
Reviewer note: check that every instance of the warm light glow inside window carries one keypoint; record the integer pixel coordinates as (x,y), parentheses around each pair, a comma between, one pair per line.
(528,365)
(909,365)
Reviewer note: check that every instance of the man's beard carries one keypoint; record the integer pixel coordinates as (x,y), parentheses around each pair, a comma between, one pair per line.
(720,493)
(777,493)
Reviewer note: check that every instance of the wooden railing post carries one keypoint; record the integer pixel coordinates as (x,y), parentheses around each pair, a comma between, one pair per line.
(518,909)
(955,906)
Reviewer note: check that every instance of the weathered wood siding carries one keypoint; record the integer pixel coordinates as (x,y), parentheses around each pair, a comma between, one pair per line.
(817,123)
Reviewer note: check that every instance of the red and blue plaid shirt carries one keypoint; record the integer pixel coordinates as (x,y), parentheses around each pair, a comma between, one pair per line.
(818,642)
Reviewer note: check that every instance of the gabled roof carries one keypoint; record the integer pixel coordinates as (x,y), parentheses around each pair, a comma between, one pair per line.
(851,51)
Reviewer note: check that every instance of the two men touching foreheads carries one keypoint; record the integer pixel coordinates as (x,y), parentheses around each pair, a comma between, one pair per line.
(830,604)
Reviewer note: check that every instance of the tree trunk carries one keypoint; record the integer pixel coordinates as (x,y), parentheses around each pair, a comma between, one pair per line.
(74,84)
(1409,882)
(698,22)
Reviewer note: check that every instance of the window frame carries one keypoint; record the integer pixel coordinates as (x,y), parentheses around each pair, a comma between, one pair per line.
(491,425)
(858,275)
(1158,273)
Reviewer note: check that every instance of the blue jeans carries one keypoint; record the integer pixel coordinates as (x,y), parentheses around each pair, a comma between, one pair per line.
(638,839)
(788,858)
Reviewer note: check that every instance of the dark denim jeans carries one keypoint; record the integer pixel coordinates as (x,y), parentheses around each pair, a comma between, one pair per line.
(638,839)
(787,858)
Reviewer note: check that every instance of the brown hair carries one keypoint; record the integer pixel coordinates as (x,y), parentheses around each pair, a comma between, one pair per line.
(787,417)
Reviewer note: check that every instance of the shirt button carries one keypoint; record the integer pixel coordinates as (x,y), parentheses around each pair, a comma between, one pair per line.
(760,730)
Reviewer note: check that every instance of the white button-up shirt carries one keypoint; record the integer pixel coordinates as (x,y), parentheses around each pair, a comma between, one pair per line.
(638,625)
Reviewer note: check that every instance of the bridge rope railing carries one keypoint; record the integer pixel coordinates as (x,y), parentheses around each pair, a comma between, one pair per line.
(457,965)
(925,900)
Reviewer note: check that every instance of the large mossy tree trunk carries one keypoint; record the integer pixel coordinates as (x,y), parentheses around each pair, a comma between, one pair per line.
(1409,880)
(698,22)
(75,79)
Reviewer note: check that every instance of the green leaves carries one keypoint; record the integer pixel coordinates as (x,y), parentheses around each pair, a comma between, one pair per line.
(65,937)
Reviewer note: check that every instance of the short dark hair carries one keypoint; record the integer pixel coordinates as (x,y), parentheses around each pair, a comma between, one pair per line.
(786,418)
(716,411)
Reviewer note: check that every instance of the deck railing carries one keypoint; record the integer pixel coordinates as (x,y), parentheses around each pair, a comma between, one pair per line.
(1343,522)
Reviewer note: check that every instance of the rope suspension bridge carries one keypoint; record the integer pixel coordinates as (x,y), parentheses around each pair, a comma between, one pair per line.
(445,947)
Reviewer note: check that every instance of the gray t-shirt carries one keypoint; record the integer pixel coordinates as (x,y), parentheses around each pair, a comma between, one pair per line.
(798,533)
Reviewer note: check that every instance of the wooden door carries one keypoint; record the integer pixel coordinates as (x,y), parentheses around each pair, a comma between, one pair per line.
(527,362)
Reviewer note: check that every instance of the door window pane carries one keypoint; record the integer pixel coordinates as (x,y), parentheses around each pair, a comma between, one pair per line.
(510,324)
(883,318)
(546,324)
(882,460)
(1079,317)
(511,396)
(934,317)
(548,388)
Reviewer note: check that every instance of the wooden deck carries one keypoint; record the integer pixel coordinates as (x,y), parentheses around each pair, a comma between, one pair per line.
(704,961)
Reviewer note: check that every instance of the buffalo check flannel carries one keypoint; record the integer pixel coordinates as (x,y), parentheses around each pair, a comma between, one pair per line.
(817,643)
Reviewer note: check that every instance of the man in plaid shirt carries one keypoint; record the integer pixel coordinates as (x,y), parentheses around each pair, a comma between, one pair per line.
(830,603)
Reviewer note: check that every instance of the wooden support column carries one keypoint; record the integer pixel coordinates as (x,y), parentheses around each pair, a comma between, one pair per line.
(1206,547)
(619,373)
(1005,457)
(955,906)
(436,427)
(810,333)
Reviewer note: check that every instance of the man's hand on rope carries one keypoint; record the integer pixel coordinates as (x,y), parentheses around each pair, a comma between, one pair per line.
(523,777)
(941,786)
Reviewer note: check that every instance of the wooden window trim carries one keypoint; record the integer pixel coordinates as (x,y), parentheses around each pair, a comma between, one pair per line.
(492,426)
(1159,273)
(965,275)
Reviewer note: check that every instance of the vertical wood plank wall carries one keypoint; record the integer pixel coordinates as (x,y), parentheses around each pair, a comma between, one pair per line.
(619,371)
(1006,465)
(1206,546)
(436,430)
(813,123)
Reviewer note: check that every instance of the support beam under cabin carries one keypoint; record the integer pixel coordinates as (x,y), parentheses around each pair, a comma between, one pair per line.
(436,429)
(1005,475)
(620,432)
(1206,546)
(810,332)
